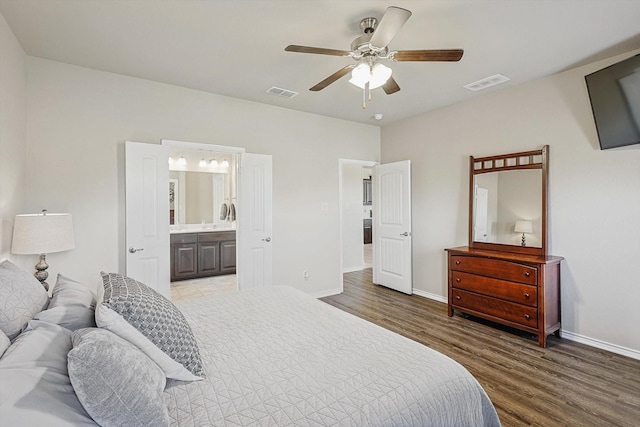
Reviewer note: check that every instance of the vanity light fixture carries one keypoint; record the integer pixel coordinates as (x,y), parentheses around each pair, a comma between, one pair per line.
(202,163)
(523,227)
(182,161)
(225,163)
(213,162)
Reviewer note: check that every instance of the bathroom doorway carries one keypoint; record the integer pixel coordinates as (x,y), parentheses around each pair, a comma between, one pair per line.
(356,215)
(203,222)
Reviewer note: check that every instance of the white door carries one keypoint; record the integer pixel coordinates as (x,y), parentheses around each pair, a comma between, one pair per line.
(392,226)
(147,215)
(480,215)
(254,221)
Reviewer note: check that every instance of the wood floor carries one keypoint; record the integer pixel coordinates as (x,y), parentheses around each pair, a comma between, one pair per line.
(565,384)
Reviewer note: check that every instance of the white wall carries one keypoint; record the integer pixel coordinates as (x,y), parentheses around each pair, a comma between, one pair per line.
(594,200)
(78,120)
(13,119)
(352,225)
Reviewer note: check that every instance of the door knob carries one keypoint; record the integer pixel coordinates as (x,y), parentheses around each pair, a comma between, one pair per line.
(405,234)
(134,250)
(268,239)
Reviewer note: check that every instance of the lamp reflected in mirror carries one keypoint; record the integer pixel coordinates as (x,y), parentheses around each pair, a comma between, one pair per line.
(523,226)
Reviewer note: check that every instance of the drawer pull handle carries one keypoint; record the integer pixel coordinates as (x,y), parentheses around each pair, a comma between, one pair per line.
(526,316)
(458,279)
(457,262)
(527,296)
(527,274)
(458,297)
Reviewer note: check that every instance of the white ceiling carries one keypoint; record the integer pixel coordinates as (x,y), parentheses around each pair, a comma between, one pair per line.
(236,47)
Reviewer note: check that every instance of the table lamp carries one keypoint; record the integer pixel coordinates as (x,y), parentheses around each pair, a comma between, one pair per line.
(523,227)
(41,234)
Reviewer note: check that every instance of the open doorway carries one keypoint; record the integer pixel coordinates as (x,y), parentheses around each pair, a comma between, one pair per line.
(356,215)
(203,222)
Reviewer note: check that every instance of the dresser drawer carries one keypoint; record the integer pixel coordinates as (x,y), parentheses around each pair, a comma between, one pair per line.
(506,310)
(184,238)
(499,269)
(511,291)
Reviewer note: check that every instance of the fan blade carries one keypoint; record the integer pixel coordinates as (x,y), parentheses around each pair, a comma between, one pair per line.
(332,78)
(428,55)
(390,86)
(317,50)
(391,22)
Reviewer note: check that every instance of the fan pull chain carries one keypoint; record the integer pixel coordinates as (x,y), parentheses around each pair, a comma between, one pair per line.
(365,91)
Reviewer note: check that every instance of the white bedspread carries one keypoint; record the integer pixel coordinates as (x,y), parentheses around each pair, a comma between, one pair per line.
(277,357)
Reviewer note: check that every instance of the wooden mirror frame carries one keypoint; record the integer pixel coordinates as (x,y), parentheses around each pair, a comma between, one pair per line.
(507,162)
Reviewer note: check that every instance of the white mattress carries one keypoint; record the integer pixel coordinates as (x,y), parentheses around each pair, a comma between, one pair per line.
(277,357)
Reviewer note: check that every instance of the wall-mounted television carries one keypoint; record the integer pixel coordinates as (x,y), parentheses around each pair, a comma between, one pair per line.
(615,100)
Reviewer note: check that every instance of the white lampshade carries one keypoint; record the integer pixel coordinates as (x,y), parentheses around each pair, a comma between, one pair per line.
(42,233)
(523,227)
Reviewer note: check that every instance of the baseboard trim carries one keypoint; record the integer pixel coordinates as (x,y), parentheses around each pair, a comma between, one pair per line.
(352,269)
(603,345)
(327,293)
(571,336)
(429,295)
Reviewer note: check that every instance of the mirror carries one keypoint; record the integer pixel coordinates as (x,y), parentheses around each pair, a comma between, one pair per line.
(195,197)
(507,202)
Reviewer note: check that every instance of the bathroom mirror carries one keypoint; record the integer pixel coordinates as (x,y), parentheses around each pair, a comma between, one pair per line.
(508,202)
(195,197)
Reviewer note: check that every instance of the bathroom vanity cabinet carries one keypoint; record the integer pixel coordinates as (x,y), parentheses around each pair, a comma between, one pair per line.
(202,254)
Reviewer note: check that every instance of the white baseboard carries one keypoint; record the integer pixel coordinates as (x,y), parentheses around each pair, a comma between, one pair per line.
(352,269)
(571,336)
(327,293)
(429,295)
(603,345)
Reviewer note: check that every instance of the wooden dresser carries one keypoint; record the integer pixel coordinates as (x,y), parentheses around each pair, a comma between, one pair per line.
(518,290)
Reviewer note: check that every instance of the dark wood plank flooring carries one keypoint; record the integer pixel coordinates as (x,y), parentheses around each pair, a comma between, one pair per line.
(565,384)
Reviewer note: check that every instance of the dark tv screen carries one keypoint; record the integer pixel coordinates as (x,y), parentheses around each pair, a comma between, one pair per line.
(615,100)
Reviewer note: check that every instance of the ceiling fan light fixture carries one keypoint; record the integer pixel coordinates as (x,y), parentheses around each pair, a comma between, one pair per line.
(375,75)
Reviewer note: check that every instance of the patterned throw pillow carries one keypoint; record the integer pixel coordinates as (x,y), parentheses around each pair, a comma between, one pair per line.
(155,318)
(21,297)
(115,382)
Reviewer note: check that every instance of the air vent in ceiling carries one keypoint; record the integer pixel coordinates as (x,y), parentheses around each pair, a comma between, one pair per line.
(281,92)
(496,79)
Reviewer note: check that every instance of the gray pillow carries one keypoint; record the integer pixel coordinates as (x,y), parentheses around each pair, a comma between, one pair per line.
(154,317)
(115,382)
(71,316)
(34,383)
(21,297)
(5,342)
(70,292)
(72,305)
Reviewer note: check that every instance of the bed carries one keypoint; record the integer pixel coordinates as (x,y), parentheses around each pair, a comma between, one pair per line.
(265,357)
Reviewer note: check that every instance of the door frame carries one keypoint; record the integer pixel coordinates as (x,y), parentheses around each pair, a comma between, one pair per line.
(341,163)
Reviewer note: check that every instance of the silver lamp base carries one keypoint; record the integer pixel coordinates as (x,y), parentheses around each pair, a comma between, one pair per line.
(41,271)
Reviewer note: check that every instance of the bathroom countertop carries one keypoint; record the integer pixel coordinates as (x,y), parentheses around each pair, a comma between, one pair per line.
(206,229)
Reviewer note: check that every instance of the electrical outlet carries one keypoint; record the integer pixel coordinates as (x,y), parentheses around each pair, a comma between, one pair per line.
(305,274)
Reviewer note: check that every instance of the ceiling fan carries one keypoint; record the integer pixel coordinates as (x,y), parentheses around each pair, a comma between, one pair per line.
(371,47)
